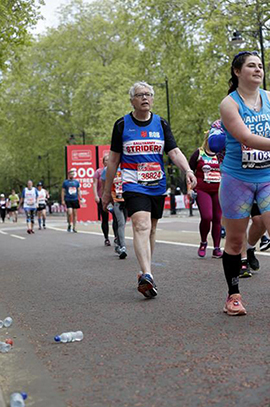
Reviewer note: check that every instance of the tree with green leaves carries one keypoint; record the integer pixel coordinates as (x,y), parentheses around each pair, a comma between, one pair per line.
(16,17)
(75,78)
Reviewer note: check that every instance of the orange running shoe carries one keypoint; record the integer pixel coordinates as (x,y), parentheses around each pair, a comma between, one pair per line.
(234,306)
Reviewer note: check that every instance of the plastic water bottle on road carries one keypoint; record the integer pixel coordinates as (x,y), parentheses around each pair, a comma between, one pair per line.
(69,337)
(4,347)
(8,322)
(17,399)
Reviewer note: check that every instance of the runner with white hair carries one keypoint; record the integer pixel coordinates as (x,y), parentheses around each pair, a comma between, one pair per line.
(138,143)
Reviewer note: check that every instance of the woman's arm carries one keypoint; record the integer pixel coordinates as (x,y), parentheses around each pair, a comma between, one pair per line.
(193,161)
(236,127)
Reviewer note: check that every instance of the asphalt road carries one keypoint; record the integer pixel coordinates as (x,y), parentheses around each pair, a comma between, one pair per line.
(178,350)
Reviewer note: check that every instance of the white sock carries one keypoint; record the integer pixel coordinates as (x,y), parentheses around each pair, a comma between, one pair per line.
(249,246)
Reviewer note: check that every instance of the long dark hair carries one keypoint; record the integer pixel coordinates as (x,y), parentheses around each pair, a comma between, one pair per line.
(237,63)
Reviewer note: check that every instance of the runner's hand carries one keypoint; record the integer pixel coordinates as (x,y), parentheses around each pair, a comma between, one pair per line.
(106,199)
(191,179)
(97,199)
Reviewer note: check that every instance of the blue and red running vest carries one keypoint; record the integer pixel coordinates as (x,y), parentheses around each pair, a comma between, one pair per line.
(142,157)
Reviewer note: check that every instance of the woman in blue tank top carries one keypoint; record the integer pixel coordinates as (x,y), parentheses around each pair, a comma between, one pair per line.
(245,114)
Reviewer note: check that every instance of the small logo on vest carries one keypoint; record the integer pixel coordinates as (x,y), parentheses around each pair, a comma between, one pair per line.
(143,133)
(154,134)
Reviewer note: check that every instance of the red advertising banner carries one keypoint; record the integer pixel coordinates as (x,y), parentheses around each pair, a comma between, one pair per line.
(82,160)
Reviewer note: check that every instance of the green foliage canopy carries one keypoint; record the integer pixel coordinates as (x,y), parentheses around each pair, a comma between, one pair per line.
(76,77)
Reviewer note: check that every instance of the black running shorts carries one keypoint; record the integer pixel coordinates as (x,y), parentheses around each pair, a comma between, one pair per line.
(136,202)
(73,204)
(13,209)
(41,207)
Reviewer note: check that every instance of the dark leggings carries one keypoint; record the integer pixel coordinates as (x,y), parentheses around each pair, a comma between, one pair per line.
(105,221)
(3,214)
(210,211)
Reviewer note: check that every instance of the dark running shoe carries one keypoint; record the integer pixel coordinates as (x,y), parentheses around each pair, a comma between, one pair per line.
(252,259)
(107,242)
(146,286)
(265,244)
(29,231)
(122,253)
(217,253)
(202,249)
(69,228)
(75,231)
(245,270)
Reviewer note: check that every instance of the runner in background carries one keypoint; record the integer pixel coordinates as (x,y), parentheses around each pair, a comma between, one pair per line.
(29,200)
(119,212)
(3,207)
(206,167)
(43,196)
(71,197)
(98,191)
(14,203)
(8,206)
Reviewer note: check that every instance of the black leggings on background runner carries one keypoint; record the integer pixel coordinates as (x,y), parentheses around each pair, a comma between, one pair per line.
(104,220)
(3,214)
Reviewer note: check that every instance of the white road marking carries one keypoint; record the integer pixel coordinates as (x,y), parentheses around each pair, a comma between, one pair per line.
(14,228)
(157,241)
(18,237)
(3,233)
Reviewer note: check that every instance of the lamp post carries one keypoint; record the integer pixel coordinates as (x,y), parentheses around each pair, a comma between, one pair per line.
(237,39)
(170,163)
(165,85)
(48,167)
(72,138)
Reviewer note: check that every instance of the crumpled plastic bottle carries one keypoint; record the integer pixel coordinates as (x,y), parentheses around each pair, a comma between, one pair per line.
(4,347)
(6,323)
(69,337)
(17,399)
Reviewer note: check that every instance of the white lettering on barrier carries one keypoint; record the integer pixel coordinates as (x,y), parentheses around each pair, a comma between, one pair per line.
(83,172)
